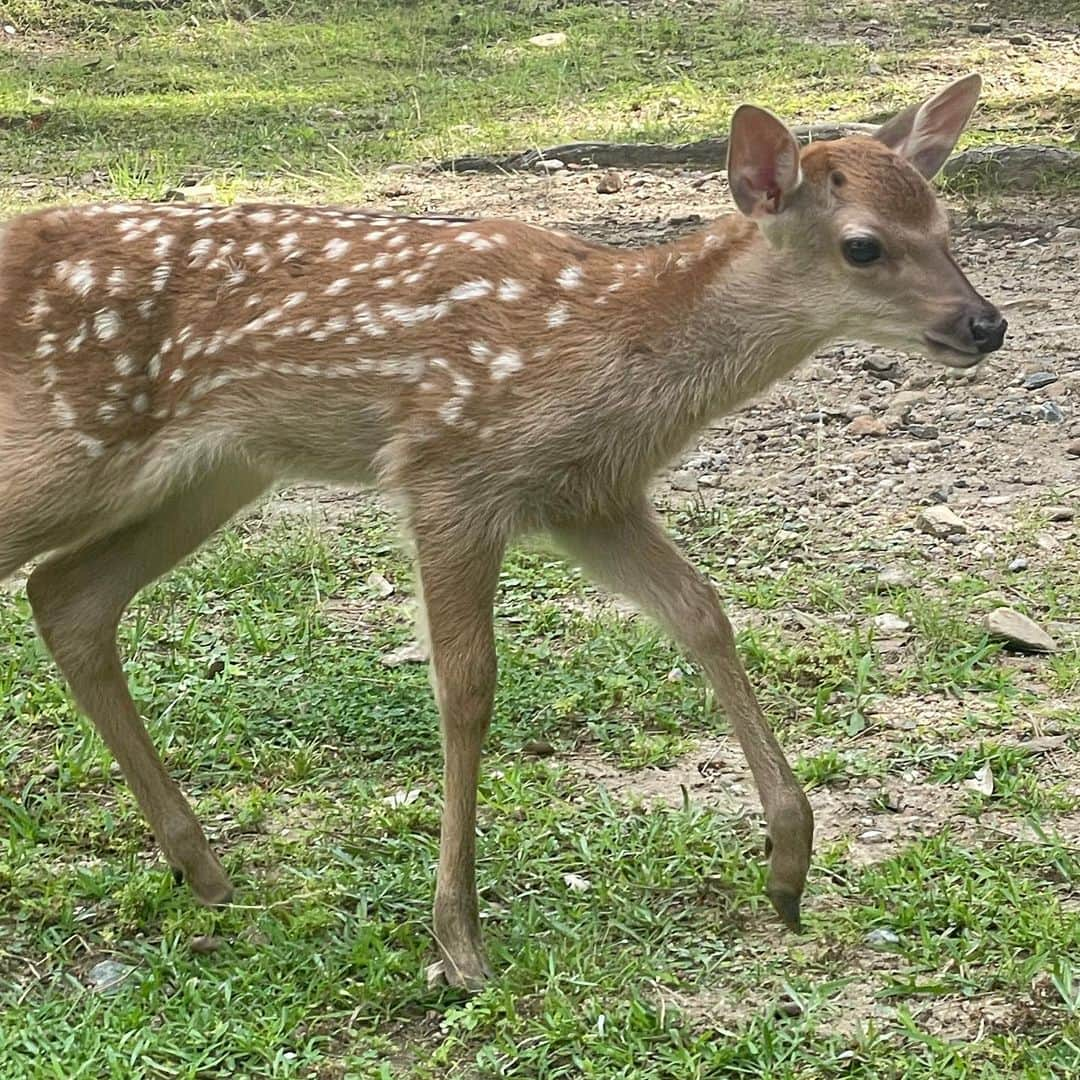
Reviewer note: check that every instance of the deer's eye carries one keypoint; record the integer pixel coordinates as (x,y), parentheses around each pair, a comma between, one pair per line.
(862,250)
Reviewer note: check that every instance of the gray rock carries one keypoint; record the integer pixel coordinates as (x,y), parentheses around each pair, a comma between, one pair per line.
(1051,412)
(872,836)
(893,577)
(1005,624)
(940,521)
(923,431)
(1038,379)
(1060,513)
(888,623)
(684,480)
(1017,565)
(883,939)
(108,976)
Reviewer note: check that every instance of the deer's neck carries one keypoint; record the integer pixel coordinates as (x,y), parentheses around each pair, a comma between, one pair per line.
(742,315)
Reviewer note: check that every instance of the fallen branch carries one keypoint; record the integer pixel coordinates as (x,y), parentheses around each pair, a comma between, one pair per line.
(1009,166)
(704,152)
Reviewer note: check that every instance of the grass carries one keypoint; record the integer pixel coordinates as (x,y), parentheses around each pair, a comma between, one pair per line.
(289,96)
(315,767)
(298,747)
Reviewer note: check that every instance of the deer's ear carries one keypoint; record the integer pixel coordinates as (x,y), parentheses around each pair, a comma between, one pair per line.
(926,133)
(763,162)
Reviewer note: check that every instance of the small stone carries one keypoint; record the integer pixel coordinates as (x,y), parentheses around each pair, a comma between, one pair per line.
(894,801)
(980,27)
(200,193)
(893,577)
(1073,448)
(1050,412)
(552,165)
(1017,565)
(1020,39)
(939,521)
(874,69)
(709,480)
(108,976)
(1038,379)
(412,653)
(609,183)
(538,748)
(787,1008)
(51,771)
(888,623)
(923,431)
(548,41)
(872,836)
(378,585)
(904,401)
(576,883)
(1060,513)
(684,480)
(1005,624)
(882,939)
(862,426)
(204,944)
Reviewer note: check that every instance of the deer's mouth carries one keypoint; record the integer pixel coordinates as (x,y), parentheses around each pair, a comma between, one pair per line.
(948,353)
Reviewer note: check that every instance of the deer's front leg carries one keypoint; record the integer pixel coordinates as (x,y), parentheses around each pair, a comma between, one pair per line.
(458,580)
(634,556)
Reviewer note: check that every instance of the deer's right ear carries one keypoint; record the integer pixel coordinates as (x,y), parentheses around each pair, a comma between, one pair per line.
(763,162)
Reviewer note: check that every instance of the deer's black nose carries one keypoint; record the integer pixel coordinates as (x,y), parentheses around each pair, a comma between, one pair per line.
(988,331)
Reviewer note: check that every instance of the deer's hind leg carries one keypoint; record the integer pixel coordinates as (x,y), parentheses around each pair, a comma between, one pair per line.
(78,597)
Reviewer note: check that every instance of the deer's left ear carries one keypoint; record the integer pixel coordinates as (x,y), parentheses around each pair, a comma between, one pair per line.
(763,162)
(926,133)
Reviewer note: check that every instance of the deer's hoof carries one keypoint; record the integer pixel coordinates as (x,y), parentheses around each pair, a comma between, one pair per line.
(787,906)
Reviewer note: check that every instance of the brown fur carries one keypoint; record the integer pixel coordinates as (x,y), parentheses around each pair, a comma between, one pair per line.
(164,365)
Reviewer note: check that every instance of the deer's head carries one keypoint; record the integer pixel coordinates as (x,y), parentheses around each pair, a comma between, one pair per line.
(859,219)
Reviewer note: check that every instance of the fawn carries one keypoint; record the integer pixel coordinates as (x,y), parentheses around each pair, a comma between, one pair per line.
(164,365)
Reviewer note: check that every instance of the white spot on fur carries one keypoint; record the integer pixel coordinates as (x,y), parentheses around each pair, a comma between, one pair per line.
(569,277)
(116,280)
(479,351)
(410,316)
(106,324)
(162,245)
(288,241)
(505,364)
(94,447)
(145,308)
(62,411)
(75,342)
(79,275)
(470,290)
(335,248)
(293,299)
(124,365)
(467,237)
(336,288)
(482,244)
(200,251)
(140,403)
(558,315)
(510,289)
(257,250)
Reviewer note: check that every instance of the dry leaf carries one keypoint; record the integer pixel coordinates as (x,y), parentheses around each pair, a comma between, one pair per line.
(577,883)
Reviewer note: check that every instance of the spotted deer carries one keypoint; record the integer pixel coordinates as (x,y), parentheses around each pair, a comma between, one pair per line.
(164,365)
